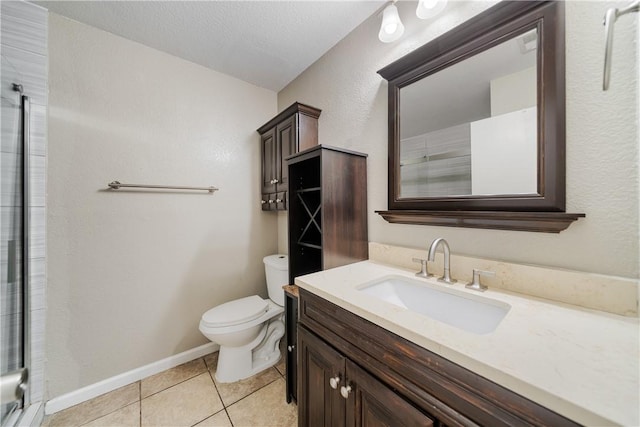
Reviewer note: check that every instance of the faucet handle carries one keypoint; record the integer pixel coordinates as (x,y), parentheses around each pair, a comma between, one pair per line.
(423,268)
(475,283)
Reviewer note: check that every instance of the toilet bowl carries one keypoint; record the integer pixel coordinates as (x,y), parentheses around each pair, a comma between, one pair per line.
(249,329)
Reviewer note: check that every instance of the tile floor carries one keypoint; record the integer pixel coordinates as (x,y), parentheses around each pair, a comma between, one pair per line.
(187,395)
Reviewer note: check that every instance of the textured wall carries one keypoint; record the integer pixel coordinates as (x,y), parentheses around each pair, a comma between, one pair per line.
(130,273)
(602,138)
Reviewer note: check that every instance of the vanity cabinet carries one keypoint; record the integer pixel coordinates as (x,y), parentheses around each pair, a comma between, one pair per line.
(391,381)
(337,392)
(294,129)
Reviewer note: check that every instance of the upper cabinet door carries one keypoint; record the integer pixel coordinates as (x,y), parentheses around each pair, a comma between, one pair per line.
(268,147)
(292,130)
(286,145)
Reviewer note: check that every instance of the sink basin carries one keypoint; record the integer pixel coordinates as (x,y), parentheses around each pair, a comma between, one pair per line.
(470,313)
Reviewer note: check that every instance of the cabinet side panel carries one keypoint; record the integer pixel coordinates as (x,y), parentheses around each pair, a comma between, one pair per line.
(344,209)
(307,131)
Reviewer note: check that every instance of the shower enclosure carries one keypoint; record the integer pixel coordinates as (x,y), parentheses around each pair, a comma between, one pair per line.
(14,289)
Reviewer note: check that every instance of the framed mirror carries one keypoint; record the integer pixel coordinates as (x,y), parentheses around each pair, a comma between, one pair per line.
(477,123)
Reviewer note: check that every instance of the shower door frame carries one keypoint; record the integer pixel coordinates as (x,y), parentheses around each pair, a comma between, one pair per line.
(15,415)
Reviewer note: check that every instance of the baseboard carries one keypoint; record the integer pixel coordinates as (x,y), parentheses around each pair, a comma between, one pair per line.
(94,390)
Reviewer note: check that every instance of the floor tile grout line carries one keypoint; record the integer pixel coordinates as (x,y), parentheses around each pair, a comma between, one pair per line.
(228,417)
(211,376)
(205,360)
(216,387)
(173,385)
(140,398)
(254,391)
(244,397)
(101,416)
(207,417)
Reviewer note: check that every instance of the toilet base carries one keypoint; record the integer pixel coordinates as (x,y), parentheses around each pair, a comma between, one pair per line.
(238,363)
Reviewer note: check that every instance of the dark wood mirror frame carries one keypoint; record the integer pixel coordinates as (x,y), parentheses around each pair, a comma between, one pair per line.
(529,212)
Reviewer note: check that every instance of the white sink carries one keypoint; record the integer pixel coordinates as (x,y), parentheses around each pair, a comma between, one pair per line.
(471,313)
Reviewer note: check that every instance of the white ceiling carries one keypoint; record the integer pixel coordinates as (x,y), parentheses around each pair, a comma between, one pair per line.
(460,93)
(267,43)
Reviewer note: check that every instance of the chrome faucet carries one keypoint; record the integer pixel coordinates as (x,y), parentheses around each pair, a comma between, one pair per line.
(446,277)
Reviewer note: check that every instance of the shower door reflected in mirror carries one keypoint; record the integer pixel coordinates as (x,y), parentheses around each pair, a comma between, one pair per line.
(471,128)
(12,287)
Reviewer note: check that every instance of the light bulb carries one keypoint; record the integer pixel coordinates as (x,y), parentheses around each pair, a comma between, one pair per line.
(429,4)
(430,8)
(391,28)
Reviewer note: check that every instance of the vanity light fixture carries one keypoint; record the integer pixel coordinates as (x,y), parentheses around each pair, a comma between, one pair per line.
(391,28)
(429,8)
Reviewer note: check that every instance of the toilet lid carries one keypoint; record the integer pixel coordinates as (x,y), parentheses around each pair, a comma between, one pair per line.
(237,311)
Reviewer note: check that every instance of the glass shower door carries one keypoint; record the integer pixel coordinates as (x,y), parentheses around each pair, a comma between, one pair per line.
(15,220)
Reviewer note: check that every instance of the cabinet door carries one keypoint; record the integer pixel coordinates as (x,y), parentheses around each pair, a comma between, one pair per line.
(319,404)
(370,403)
(291,326)
(268,154)
(287,144)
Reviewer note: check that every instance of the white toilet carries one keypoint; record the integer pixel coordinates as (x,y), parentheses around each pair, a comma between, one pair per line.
(249,329)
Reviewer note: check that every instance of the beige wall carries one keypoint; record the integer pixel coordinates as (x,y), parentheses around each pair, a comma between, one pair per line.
(602,139)
(130,273)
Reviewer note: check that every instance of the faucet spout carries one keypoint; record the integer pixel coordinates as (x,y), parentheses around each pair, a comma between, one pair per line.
(446,277)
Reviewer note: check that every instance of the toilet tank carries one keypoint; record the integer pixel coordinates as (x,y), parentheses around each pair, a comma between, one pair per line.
(276,268)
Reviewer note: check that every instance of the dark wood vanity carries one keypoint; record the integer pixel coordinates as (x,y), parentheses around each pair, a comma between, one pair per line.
(354,373)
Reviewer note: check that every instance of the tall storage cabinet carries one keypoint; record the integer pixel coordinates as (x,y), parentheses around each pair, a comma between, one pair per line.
(327,209)
(327,221)
(294,129)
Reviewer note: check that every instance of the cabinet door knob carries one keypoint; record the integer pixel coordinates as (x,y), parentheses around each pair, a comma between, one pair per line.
(270,201)
(275,181)
(290,348)
(344,391)
(333,382)
(263,202)
(278,201)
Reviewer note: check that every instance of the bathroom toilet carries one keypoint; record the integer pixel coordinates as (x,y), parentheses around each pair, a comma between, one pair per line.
(249,329)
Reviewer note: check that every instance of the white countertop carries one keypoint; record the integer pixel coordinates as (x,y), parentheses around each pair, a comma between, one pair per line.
(583,364)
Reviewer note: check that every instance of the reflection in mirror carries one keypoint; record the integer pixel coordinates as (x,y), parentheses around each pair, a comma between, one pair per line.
(471,128)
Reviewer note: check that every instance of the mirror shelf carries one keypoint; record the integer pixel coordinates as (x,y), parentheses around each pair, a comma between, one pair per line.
(544,222)
(477,124)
